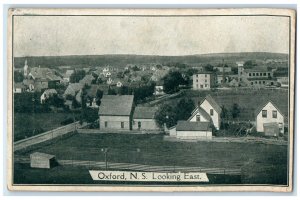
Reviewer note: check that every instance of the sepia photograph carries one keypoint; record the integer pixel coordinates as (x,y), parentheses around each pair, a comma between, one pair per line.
(151,99)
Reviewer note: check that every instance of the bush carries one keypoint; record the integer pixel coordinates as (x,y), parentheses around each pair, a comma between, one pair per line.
(68,121)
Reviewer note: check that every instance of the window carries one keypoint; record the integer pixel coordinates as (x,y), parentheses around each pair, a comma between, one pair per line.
(205,85)
(280,125)
(257,74)
(260,74)
(197,75)
(265,74)
(249,74)
(274,113)
(105,124)
(269,74)
(205,75)
(122,124)
(259,82)
(211,112)
(255,82)
(196,80)
(139,125)
(264,114)
(205,80)
(201,86)
(198,118)
(264,82)
(251,83)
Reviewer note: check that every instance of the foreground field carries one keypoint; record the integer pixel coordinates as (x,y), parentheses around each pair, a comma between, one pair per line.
(28,124)
(260,163)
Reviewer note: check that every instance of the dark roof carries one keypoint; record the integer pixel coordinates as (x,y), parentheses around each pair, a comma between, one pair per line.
(192,126)
(117,105)
(92,91)
(202,112)
(213,103)
(257,70)
(144,112)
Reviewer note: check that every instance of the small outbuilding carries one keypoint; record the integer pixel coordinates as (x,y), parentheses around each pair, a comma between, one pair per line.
(42,160)
(192,130)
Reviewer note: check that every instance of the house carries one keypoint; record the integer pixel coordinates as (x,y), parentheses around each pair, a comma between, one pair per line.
(116,112)
(92,96)
(191,130)
(143,118)
(268,116)
(19,87)
(72,89)
(208,110)
(46,94)
(204,80)
(67,75)
(87,80)
(159,75)
(159,88)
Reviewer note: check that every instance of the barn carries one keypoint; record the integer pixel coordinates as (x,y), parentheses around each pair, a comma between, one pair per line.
(116,112)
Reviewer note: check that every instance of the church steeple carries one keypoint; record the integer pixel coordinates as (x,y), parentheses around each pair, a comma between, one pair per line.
(26,69)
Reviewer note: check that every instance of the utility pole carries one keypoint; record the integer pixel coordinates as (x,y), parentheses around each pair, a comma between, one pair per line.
(223,84)
(105,150)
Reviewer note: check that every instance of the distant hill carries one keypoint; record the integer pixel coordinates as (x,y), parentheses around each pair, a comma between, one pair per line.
(122,60)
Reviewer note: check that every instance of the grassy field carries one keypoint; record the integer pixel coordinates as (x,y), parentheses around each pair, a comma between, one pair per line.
(260,163)
(28,124)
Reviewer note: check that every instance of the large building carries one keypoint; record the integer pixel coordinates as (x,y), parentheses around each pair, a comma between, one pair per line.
(116,112)
(255,77)
(204,81)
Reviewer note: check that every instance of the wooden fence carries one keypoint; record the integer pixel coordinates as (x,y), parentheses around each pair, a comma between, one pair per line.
(43,137)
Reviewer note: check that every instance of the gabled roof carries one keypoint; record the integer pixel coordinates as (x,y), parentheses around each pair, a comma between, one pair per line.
(213,103)
(260,107)
(73,88)
(116,105)
(192,126)
(201,111)
(141,112)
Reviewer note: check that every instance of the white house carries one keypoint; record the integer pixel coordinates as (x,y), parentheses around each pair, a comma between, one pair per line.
(191,130)
(46,94)
(268,115)
(208,110)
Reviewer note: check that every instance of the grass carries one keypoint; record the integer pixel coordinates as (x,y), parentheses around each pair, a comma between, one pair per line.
(30,124)
(259,162)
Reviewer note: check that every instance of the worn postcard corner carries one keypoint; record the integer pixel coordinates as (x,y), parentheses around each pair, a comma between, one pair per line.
(151,99)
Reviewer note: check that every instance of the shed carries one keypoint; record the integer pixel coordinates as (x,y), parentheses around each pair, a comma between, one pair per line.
(193,130)
(42,160)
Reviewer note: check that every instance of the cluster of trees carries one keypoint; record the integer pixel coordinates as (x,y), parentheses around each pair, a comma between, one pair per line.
(77,76)
(232,113)
(140,93)
(30,102)
(18,76)
(169,114)
(172,81)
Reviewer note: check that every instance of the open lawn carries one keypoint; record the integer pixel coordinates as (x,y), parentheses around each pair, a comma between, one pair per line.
(29,124)
(260,163)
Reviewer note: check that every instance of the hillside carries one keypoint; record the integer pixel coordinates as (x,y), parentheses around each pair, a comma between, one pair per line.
(122,60)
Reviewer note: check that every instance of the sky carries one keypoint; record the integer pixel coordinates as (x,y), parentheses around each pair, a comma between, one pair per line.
(97,35)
